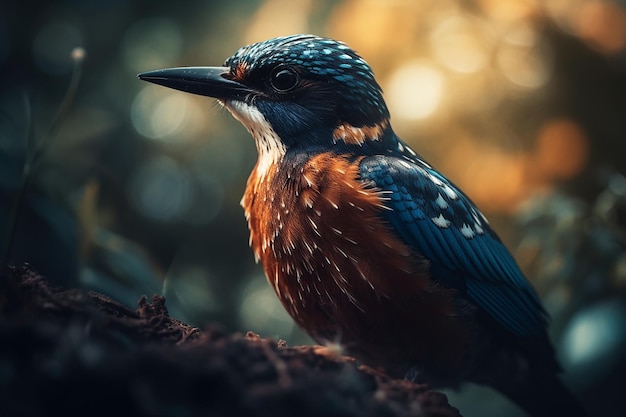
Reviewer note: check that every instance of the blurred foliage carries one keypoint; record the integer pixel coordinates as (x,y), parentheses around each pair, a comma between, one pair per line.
(520,102)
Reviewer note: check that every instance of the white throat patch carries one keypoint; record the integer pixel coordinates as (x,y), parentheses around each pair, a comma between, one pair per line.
(269,146)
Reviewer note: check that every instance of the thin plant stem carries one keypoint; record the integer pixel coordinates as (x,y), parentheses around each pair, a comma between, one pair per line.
(34,157)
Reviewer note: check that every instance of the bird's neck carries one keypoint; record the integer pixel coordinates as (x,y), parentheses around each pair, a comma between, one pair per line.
(345,138)
(271,149)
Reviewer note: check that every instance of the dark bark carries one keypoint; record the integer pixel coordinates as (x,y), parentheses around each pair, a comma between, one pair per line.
(68,352)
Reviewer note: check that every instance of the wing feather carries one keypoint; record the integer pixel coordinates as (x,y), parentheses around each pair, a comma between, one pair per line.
(438,221)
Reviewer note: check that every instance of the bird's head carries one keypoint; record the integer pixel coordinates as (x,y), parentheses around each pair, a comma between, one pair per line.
(292,92)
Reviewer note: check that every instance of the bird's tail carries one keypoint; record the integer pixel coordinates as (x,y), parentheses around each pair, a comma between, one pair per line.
(542,394)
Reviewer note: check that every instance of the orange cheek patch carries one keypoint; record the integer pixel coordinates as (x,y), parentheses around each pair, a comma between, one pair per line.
(358,135)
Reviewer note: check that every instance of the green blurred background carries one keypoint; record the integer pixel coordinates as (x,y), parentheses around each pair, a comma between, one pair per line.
(135,188)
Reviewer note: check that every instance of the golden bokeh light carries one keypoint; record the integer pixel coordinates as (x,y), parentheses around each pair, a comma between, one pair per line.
(459,43)
(415,90)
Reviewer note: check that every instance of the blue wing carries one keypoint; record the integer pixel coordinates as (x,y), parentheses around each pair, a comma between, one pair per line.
(438,221)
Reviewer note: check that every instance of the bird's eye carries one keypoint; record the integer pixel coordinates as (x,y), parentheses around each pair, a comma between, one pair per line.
(284,79)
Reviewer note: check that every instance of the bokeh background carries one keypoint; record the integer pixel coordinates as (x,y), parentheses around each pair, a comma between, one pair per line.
(134,189)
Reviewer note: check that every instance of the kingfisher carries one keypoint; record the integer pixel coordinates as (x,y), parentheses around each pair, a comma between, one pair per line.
(364,242)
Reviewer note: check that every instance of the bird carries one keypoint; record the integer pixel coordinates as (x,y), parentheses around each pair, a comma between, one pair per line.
(365,243)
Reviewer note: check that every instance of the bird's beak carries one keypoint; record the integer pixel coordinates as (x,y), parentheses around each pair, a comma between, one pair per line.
(206,81)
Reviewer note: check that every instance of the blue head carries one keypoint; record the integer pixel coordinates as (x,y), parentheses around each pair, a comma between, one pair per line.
(301,90)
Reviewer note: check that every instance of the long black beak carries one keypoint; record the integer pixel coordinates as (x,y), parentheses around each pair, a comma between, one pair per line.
(206,81)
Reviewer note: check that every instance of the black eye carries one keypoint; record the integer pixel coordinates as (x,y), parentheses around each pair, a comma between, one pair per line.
(284,79)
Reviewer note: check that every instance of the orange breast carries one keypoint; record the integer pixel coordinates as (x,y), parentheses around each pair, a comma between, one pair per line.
(339,269)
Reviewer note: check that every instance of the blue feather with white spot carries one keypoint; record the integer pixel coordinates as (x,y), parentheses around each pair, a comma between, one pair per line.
(437,220)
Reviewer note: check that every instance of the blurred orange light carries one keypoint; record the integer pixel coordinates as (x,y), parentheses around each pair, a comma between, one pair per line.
(561,150)
(497,181)
(491,177)
(603,25)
